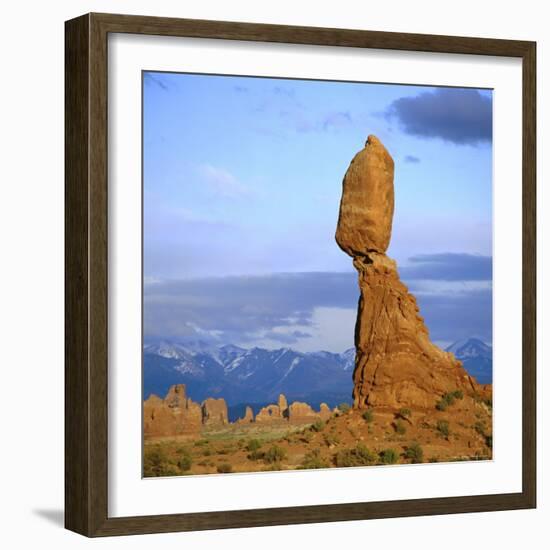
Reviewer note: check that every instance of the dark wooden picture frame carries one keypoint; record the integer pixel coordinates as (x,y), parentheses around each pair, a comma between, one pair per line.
(86,285)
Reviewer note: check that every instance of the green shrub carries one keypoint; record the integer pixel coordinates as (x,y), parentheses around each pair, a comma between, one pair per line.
(274,454)
(156,463)
(443,428)
(414,453)
(201,442)
(458,394)
(253,445)
(368,416)
(389,456)
(357,456)
(318,426)
(255,455)
(404,412)
(224,468)
(313,460)
(344,407)
(449,399)
(185,461)
(486,401)
(400,428)
(480,428)
(331,440)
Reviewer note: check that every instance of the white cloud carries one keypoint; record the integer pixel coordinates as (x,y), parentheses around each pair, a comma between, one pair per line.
(222,181)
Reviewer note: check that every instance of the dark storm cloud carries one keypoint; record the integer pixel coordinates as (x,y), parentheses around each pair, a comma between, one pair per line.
(241,306)
(448,267)
(461,116)
(460,315)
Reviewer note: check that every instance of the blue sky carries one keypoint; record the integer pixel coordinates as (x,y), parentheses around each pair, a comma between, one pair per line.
(242,182)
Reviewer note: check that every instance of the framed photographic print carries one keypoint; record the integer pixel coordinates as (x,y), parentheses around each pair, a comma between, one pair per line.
(300,275)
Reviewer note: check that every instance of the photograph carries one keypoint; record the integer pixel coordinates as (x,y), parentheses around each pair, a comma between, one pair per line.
(317,274)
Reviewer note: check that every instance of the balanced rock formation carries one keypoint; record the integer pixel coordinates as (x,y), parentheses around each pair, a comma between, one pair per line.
(214,412)
(396,364)
(176,414)
(366,207)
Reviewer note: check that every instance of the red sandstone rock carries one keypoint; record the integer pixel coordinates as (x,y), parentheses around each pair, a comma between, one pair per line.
(268,414)
(301,413)
(324,411)
(248,416)
(282,404)
(396,362)
(214,412)
(174,415)
(366,208)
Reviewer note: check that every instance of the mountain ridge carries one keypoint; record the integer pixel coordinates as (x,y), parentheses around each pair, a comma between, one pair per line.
(258,375)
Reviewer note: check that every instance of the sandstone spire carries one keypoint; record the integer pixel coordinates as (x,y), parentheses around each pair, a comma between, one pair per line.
(396,364)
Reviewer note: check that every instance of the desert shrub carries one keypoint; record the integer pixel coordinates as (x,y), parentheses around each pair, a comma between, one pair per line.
(356,456)
(414,453)
(224,468)
(344,407)
(368,416)
(201,442)
(306,437)
(207,452)
(185,461)
(255,455)
(156,463)
(449,399)
(331,439)
(404,412)
(443,428)
(253,445)
(318,426)
(313,460)
(274,454)
(400,428)
(389,456)
(433,459)
(480,428)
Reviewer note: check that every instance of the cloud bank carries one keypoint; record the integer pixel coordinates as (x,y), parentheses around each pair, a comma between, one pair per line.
(316,310)
(459,116)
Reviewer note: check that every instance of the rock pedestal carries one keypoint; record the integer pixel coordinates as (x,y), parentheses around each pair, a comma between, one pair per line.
(396,364)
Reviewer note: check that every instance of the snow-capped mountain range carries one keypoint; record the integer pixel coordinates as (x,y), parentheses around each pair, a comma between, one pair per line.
(247,375)
(476,357)
(259,375)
